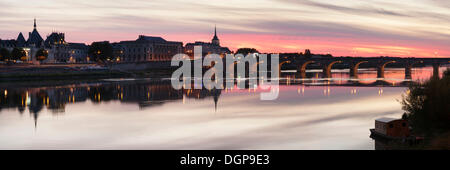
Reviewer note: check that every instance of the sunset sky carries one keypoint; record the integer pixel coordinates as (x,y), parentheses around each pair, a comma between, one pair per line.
(403,28)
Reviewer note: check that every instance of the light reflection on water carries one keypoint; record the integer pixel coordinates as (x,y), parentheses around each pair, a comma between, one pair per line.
(145,114)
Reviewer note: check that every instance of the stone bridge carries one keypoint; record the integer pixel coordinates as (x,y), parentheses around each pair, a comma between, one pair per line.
(380,63)
(326,64)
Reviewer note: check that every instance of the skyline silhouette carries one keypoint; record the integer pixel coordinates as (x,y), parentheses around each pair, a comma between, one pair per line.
(342,28)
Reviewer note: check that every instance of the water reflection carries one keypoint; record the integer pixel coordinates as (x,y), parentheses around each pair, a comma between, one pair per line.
(148,93)
(145,94)
(55,99)
(368,76)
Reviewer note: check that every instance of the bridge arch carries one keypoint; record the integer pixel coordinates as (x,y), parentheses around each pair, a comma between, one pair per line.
(279,67)
(302,68)
(408,68)
(380,68)
(327,68)
(354,69)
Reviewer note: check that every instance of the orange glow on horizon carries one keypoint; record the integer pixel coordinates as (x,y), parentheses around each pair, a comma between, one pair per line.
(342,28)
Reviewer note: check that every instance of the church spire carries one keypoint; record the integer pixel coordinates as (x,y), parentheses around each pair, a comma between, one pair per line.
(215,40)
(33,37)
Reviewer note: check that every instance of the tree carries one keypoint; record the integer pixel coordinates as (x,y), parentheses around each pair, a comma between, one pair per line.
(101,51)
(246,51)
(308,53)
(18,54)
(41,55)
(4,54)
(427,106)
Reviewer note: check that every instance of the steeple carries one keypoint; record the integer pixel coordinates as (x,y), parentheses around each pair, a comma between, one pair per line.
(215,40)
(215,31)
(34,38)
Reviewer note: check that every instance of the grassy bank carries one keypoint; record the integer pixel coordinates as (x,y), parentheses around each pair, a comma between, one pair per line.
(41,74)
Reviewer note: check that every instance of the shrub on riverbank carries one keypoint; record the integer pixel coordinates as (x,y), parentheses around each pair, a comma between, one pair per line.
(427,107)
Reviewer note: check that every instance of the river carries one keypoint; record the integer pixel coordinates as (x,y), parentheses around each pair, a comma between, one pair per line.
(148,113)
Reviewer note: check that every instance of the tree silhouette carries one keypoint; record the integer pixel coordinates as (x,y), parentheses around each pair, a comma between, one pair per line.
(18,54)
(100,51)
(308,53)
(4,54)
(427,106)
(246,51)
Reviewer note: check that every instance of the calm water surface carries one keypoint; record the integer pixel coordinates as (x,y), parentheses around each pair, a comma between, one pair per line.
(310,113)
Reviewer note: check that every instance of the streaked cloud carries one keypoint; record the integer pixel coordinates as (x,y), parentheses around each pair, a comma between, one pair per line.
(337,26)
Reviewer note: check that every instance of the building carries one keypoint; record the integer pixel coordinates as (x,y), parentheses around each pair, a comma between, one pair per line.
(147,48)
(117,51)
(59,51)
(13,43)
(78,53)
(58,48)
(207,48)
(8,44)
(392,127)
(30,46)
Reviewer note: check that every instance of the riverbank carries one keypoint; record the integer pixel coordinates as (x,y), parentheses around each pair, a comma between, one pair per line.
(72,72)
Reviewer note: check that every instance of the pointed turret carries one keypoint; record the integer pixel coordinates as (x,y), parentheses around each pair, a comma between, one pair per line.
(20,40)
